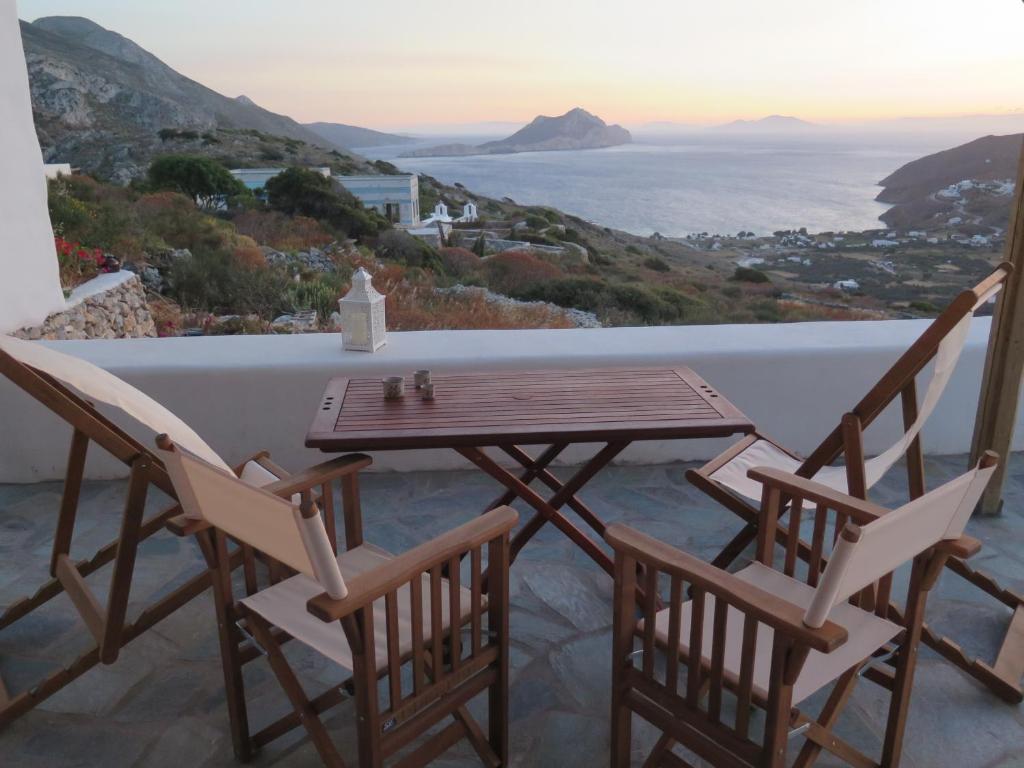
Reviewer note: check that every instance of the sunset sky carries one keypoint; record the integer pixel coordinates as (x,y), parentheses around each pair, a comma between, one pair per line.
(403,64)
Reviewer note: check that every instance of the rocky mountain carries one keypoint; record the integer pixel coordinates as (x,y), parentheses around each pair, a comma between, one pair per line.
(770,124)
(350,136)
(576,129)
(108,106)
(932,189)
(986,159)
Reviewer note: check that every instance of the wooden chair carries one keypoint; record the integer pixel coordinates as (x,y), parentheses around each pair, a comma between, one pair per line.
(725,478)
(369,611)
(772,636)
(68,387)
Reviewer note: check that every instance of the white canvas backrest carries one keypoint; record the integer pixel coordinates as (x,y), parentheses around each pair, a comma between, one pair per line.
(862,555)
(100,386)
(947,355)
(257,518)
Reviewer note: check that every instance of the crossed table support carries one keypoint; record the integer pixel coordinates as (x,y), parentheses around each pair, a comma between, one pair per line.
(547,510)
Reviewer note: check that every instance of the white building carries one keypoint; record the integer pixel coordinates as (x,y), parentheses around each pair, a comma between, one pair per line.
(396,197)
(846,285)
(256,178)
(55,170)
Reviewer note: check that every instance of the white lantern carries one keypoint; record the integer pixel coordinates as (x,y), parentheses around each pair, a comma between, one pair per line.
(362,315)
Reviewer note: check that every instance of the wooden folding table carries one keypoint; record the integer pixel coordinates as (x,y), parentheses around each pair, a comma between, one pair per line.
(510,409)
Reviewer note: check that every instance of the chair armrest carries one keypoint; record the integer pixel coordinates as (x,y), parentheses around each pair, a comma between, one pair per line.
(964,547)
(319,474)
(782,616)
(374,584)
(183,525)
(860,511)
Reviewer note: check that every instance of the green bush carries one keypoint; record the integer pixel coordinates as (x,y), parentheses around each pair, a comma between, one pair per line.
(200,178)
(316,294)
(401,247)
(307,193)
(212,282)
(748,275)
(657,264)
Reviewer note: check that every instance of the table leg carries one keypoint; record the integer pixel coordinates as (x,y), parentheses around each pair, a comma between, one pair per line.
(573,502)
(533,468)
(547,510)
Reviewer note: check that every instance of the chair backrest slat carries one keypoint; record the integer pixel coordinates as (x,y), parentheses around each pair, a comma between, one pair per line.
(864,555)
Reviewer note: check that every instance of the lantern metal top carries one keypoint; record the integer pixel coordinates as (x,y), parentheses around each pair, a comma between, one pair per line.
(362,288)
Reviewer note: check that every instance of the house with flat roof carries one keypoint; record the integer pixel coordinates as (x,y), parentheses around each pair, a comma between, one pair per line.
(256,178)
(396,197)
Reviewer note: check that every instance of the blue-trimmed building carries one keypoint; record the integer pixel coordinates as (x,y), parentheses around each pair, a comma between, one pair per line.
(397,198)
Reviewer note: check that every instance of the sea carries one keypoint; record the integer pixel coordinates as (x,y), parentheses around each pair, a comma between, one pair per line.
(680,185)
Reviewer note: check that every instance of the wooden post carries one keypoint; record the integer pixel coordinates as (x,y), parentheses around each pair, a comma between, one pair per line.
(1004,363)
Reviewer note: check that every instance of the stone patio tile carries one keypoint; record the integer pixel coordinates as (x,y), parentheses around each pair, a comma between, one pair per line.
(162,703)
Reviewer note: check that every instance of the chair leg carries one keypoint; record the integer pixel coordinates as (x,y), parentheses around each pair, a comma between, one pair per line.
(231,664)
(293,689)
(906,661)
(829,714)
(664,744)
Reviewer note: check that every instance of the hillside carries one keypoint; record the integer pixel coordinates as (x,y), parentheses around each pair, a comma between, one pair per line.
(930,190)
(986,159)
(101,102)
(351,136)
(576,129)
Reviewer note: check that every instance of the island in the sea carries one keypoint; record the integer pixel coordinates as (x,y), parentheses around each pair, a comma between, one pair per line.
(576,129)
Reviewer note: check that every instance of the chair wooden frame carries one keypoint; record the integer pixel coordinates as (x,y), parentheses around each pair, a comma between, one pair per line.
(1003,677)
(658,695)
(107,623)
(447,672)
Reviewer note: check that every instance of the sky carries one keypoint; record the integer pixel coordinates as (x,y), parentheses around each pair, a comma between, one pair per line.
(404,64)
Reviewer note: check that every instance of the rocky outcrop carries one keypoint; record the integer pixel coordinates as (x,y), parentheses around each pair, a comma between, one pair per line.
(986,159)
(576,129)
(107,106)
(109,307)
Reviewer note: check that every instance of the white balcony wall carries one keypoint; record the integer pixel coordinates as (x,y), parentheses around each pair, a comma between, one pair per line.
(244,393)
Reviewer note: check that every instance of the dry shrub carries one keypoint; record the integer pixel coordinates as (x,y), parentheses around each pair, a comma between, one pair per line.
(414,309)
(247,255)
(167,315)
(460,262)
(517,270)
(285,233)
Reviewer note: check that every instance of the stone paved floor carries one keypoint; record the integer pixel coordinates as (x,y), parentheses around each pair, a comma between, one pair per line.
(162,704)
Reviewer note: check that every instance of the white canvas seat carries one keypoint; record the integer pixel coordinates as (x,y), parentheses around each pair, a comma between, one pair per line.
(773,639)
(867,632)
(368,611)
(284,605)
(75,391)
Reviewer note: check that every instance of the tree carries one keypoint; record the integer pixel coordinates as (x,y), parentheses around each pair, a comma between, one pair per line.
(204,180)
(300,191)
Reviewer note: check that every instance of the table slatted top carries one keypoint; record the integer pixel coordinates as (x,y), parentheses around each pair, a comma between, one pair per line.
(524,407)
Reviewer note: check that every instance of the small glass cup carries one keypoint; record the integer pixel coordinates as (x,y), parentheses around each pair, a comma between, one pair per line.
(427,390)
(421,377)
(394,387)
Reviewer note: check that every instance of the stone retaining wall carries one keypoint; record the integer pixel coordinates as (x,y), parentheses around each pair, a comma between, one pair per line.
(109,307)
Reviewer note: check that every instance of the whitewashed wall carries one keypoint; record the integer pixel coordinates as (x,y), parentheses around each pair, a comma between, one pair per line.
(243,393)
(29,281)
